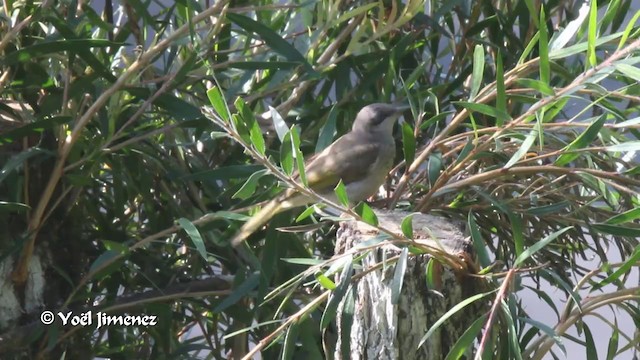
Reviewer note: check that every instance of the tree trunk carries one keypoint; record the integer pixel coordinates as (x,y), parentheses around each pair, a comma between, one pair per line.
(371,325)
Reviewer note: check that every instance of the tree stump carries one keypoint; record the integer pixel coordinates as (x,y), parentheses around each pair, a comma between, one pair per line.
(377,328)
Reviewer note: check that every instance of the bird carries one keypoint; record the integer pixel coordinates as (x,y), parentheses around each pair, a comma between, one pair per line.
(361,158)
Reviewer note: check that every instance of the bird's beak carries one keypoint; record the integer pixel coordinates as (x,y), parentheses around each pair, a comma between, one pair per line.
(400,109)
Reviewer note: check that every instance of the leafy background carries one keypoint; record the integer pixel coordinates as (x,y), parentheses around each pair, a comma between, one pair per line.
(524,125)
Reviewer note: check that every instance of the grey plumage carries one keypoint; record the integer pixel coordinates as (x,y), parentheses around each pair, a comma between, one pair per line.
(362,158)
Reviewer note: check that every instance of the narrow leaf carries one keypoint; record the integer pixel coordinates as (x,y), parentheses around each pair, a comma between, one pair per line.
(337,295)
(539,245)
(478,71)
(328,130)
(249,187)
(466,341)
(367,215)
(583,140)
(278,123)
(398,275)
(341,193)
(543,48)
(238,293)
(485,109)
(408,142)
(218,102)
(591,40)
(407,226)
(194,235)
(461,305)
(501,94)
(270,37)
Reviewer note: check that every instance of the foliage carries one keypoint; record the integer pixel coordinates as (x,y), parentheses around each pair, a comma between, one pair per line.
(524,124)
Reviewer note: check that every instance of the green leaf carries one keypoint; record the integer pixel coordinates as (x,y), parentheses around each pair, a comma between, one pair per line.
(108,262)
(550,332)
(524,148)
(337,295)
(612,349)
(255,133)
(408,142)
(541,87)
(548,209)
(341,193)
(478,71)
(626,146)
(367,215)
(35,127)
(241,128)
(434,167)
(543,48)
(222,173)
(461,305)
(7,207)
(627,123)
(218,102)
(552,275)
(270,37)
(278,123)
(485,109)
(511,331)
(325,282)
(466,341)
(398,275)
(328,130)
(465,151)
(584,140)
(306,213)
(372,242)
(303,261)
(591,350)
(516,222)
(592,35)
(581,47)
(407,226)
(231,215)
(348,15)
(348,310)
(290,340)
(617,230)
(194,235)
(287,154)
(478,242)
(501,94)
(629,263)
(16,161)
(238,293)
(629,71)
(249,187)
(627,216)
(538,245)
(529,48)
(26,54)
(570,31)
(297,154)
(265,65)
(627,31)
(431,275)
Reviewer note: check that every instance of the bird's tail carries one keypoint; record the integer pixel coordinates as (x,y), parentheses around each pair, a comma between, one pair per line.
(262,217)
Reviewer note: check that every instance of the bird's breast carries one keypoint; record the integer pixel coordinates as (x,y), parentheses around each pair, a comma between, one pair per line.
(378,170)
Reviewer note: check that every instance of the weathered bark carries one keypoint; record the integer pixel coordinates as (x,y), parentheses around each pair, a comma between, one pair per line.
(380,329)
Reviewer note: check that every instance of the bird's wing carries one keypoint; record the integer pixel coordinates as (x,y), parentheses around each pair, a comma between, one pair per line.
(345,159)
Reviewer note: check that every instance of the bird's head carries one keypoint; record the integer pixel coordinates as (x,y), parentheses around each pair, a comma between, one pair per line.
(378,117)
